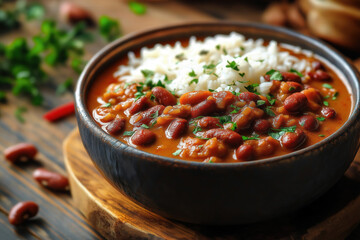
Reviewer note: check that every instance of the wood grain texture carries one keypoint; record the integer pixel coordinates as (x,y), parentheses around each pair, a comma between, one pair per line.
(117,217)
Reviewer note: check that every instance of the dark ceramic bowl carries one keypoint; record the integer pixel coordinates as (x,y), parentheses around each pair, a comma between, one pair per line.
(231,193)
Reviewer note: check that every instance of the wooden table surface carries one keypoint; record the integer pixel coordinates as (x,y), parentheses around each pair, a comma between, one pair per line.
(58,219)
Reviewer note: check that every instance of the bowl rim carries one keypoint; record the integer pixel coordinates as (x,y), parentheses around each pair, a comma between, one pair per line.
(85,116)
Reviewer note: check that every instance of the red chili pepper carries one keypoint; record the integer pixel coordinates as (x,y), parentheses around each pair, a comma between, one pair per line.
(60,112)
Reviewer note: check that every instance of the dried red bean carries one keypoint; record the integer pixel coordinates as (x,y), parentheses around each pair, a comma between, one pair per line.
(227,136)
(143,137)
(209,122)
(20,152)
(52,180)
(261,126)
(22,211)
(293,140)
(74,13)
(291,77)
(204,108)
(194,97)
(278,121)
(59,112)
(139,105)
(244,152)
(176,128)
(295,102)
(309,122)
(116,126)
(249,96)
(328,112)
(320,75)
(147,116)
(163,96)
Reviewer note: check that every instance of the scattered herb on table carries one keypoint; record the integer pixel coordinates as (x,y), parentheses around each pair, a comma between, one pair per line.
(137,8)
(109,28)
(19,114)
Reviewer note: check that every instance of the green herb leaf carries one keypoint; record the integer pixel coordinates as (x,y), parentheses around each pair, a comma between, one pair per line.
(276,76)
(246,59)
(270,72)
(144,126)
(192,74)
(128,133)
(106,105)
(336,94)
(254,137)
(320,119)
(232,65)
(203,52)
(65,86)
(296,72)
(217,47)
(19,114)
(196,129)
(195,80)
(269,112)
(326,103)
(260,102)
(242,74)
(109,28)
(326,85)
(137,8)
(177,152)
(277,133)
(271,99)
(252,88)
(224,119)
(321,135)
(180,56)
(236,109)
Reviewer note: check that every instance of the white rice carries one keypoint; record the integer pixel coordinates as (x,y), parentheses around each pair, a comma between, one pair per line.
(252,58)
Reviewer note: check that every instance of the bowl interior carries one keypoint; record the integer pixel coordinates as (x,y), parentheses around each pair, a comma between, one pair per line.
(121,47)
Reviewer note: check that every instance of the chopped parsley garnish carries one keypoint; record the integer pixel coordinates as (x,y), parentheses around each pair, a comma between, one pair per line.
(106,105)
(203,52)
(203,138)
(242,74)
(195,80)
(224,51)
(242,48)
(320,119)
(217,47)
(335,95)
(269,112)
(326,85)
(180,56)
(232,65)
(234,126)
(253,137)
(326,103)
(197,129)
(192,73)
(224,119)
(296,72)
(274,75)
(246,59)
(210,66)
(155,115)
(128,133)
(277,133)
(321,135)
(137,8)
(144,126)
(152,97)
(210,69)
(19,114)
(177,152)
(252,88)
(291,89)
(271,99)
(147,73)
(260,102)
(236,109)
(261,60)
(211,90)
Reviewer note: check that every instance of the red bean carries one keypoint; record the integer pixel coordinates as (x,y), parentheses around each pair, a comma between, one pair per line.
(116,126)
(139,105)
(316,65)
(52,180)
(223,99)
(194,97)
(292,140)
(74,13)
(147,116)
(328,112)
(20,152)
(291,77)
(209,122)
(244,152)
(261,126)
(163,96)
(249,96)
(294,87)
(204,108)
(320,75)
(22,211)
(143,137)
(278,121)
(59,112)
(176,128)
(227,136)
(309,122)
(295,102)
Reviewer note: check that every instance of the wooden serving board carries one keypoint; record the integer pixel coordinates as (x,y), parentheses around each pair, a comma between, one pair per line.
(333,216)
